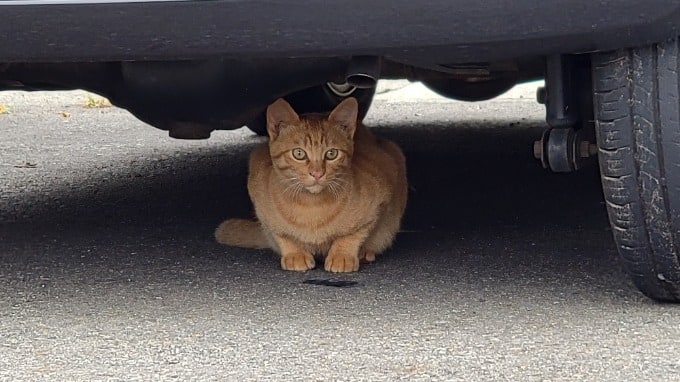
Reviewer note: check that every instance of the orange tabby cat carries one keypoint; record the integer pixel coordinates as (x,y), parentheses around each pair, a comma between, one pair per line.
(322,185)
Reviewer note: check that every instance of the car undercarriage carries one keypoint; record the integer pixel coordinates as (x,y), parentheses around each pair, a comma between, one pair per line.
(611,91)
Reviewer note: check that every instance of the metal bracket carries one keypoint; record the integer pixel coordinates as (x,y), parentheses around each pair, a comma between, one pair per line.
(564,149)
(561,110)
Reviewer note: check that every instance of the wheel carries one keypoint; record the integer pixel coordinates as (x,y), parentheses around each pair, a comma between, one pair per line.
(320,99)
(462,90)
(637,112)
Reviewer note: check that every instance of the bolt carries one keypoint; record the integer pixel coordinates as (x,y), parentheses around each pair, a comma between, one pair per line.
(587,149)
(541,95)
(538,149)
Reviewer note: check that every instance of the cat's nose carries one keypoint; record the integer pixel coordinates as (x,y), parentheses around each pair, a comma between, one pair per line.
(316,174)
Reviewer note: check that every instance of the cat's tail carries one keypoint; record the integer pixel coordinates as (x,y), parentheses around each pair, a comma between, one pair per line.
(241,233)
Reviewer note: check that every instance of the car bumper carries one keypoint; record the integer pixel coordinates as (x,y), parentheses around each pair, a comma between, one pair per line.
(451,31)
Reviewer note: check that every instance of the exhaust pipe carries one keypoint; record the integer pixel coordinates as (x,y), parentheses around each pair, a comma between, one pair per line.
(363,72)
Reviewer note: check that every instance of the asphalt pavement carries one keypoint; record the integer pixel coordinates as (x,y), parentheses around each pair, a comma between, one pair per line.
(503,271)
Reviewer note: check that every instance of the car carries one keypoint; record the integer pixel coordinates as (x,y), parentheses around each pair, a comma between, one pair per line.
(191,67)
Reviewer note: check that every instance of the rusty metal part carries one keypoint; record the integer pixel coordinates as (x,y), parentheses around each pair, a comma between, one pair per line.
(587,149)
(564,149)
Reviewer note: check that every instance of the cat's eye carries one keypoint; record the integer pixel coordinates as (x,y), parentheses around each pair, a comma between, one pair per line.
(299,154)
(331,154)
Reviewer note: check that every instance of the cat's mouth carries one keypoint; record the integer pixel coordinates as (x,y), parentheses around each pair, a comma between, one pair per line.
(313,185)
(314,188)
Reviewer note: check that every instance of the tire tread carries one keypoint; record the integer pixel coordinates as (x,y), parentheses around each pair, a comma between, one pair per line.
(636,94)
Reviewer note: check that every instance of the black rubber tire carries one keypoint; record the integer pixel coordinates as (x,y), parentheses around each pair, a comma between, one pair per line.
(317,99)
(637,112)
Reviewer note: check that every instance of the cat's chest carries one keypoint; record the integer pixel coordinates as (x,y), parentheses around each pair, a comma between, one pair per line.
(313,216)
(318,223)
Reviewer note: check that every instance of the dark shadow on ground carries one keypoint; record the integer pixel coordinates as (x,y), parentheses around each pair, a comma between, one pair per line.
(460,177)
(476,194)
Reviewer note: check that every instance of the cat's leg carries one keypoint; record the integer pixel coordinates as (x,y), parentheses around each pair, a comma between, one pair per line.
(293,256)
(344,253)
(380,239)
(382,235)
(367,256)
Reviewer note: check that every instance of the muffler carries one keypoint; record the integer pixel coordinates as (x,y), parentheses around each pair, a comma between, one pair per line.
(363,72)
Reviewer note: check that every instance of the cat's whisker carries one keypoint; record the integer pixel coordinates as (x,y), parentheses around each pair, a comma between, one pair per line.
(331,187)
(335,188)
(293,188)
(298,189)
(289,180)
(340,180)
(288,183)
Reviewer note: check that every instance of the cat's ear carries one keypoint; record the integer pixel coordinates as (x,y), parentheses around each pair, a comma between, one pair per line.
(345,115)
(280,114)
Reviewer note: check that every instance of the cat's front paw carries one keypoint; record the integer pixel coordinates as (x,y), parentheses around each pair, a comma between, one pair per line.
(338,262)
(297,261)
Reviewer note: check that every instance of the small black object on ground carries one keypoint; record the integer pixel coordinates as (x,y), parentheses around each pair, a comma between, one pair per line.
(331,283)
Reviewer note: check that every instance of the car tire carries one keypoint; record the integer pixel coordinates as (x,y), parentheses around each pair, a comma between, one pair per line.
(319,99)
(637,112)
